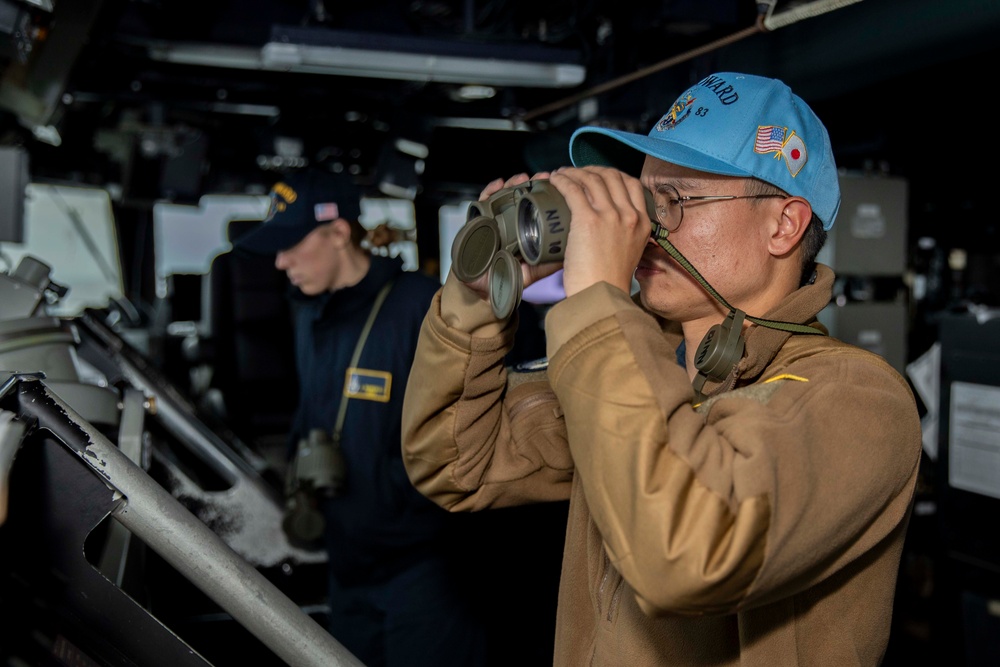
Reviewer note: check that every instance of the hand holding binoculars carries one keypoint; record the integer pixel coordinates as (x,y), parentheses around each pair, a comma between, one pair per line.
(528,221)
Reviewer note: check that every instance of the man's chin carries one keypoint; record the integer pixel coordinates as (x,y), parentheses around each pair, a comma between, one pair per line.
(656,292)
(650,278)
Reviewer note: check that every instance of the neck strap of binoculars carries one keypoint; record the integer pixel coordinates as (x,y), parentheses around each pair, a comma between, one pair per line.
(660,236)
(358,347)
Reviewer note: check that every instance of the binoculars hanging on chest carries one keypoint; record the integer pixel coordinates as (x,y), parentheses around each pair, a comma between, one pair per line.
(528,221)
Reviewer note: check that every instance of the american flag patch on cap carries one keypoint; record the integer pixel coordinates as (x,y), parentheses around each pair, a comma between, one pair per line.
(326,212)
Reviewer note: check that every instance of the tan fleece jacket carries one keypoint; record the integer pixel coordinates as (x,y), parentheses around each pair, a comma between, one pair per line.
(762,527)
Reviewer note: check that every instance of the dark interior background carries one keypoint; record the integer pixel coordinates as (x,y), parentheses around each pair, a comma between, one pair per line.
(903,86)
(906,87)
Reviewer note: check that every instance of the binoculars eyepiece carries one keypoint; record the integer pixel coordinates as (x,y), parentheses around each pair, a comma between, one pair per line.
(528,221)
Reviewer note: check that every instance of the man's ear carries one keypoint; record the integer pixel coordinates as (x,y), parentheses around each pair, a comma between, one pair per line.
(794,219)
(340,229)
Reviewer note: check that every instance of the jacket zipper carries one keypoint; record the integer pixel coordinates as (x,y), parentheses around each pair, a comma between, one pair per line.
(615,595)
(606,577)
(530,402)
(615,598)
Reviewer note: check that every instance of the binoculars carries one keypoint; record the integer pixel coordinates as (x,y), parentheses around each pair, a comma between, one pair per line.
(318,470)
(528,221)
(319,464)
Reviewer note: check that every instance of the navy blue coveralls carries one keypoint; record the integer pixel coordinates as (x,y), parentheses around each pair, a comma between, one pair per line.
(392,595)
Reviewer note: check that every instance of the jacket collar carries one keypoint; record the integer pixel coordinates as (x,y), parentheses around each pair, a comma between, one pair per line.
(801,307)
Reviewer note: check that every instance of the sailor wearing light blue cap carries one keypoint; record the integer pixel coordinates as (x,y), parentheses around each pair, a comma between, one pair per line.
(735,125)
(739,482)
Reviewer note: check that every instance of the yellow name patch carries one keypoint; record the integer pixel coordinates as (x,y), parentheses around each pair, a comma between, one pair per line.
(367,385)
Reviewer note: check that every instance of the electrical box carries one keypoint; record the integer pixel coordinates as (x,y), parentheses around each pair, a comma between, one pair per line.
(14,179)
(877,326)
(967,483)
(869,237)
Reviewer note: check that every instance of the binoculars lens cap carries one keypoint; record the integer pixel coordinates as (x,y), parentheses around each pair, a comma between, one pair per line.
(474,247)
(506,284)
(304,524)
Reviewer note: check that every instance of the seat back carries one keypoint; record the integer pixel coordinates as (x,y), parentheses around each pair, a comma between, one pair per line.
(253,344)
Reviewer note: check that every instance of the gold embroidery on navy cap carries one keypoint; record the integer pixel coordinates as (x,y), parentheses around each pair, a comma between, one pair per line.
(282,195)
(677,113)
(782,144)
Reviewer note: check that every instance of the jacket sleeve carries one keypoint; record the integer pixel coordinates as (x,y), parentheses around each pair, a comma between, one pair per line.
(756,498)
(475,436)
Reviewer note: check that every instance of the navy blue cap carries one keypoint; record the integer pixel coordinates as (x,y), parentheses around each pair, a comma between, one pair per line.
(299,204)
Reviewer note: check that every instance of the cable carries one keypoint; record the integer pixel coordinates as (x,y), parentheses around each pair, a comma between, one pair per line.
(807,11)
(646,71)
(766,21)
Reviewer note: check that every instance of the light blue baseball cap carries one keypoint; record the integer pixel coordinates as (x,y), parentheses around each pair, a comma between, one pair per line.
(735,125)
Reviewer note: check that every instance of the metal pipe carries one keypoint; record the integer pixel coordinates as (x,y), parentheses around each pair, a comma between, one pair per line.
(186,543)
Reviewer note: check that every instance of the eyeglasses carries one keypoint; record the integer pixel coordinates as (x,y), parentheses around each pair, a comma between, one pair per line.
(670,204)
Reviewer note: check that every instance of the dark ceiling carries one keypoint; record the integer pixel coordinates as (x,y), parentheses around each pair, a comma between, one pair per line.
(95,90)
